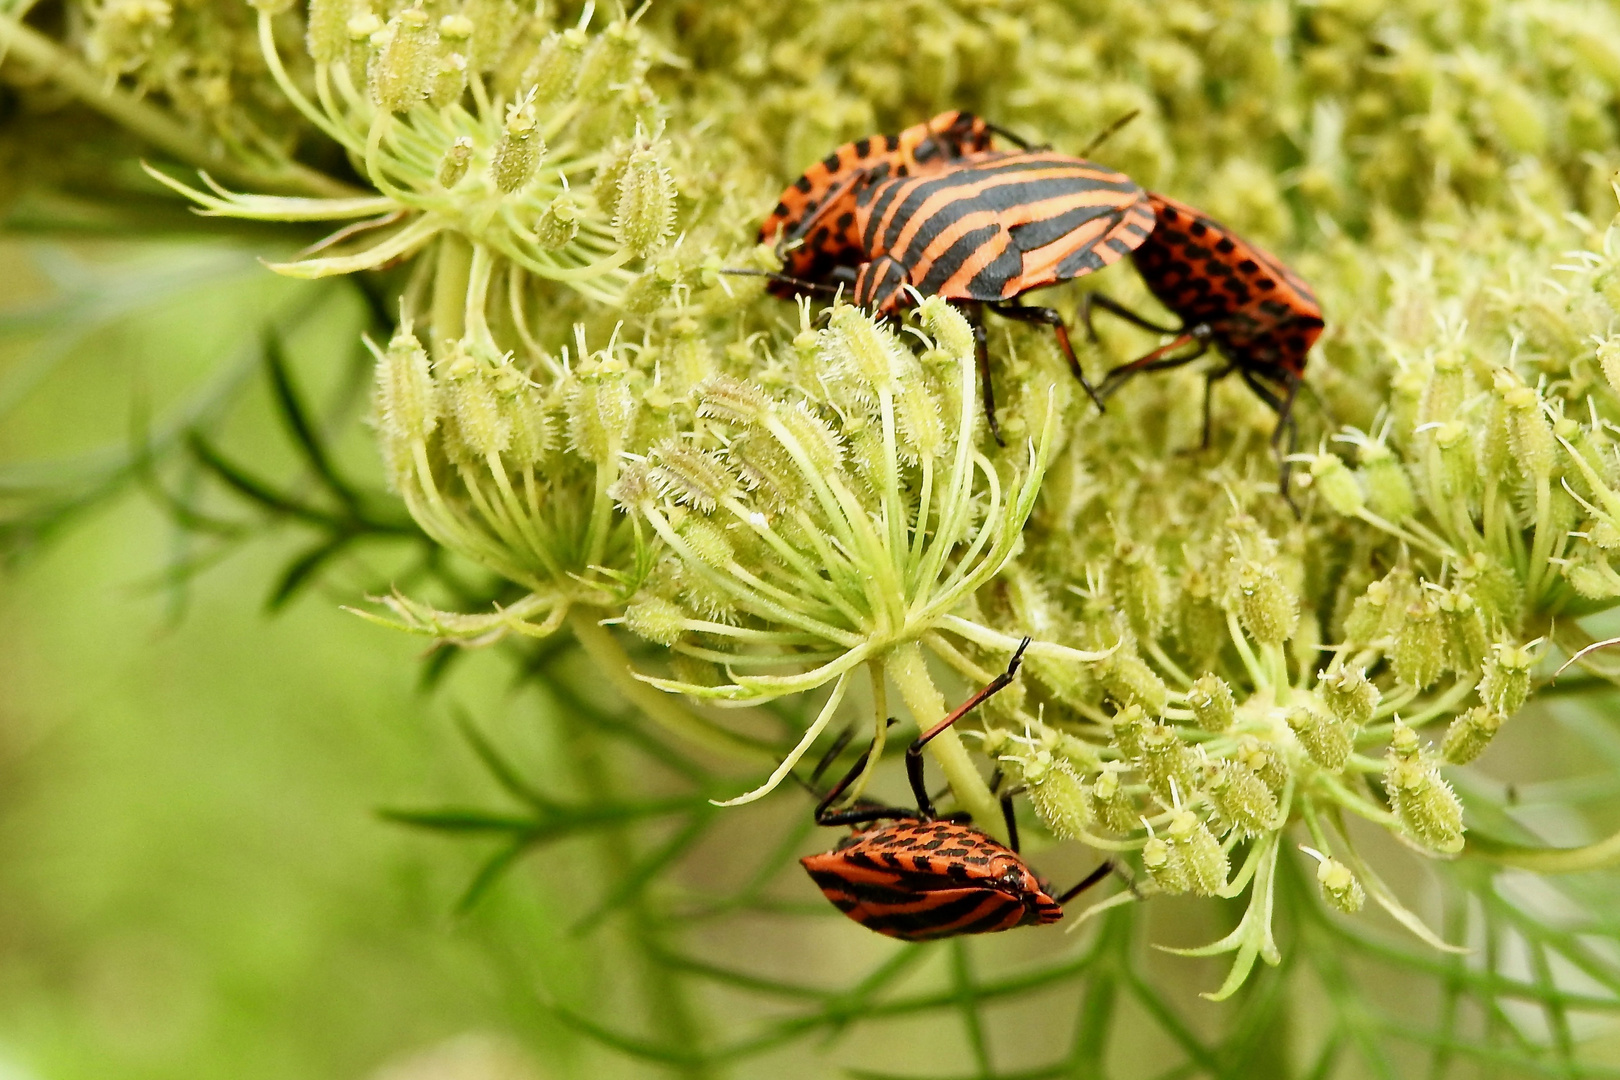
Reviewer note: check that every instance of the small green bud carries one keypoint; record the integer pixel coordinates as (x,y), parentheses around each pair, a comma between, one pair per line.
(1130,681)
(707,540)
(1389,489)
(611,60)
(701,479)
(469,389)
(1264,760)
(1126,733)
(1466,630)
(657,620)
(1167,873)
(455,163)
(1337,484)
(1608,355)
(1057,795)
(1529,432)
(1459,473)
(1327,740)
(947,326)
(407,400)
(1111,805)
(361,30)
(1339,886)
(654,288)
(601,410)
(1377,611)
(558,223)
(1201,631)
(1506,680)
(519,151)
(1446,390)
(1202,863)
(1081,755)
(1470,734)
(1349,695)
(733,401)
(449,80)
(1242,798)
(1420,649)
(1211,702)
(644,213)
(327,34)
(1267,608)
(1166,764)
(1422,799)
(1140,590)
(556,65)
(532,430)
(403,69)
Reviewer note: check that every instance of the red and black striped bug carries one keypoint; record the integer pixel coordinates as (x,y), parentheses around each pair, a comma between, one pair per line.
(922,876)
(1228,293)
(976,227)
(813,224)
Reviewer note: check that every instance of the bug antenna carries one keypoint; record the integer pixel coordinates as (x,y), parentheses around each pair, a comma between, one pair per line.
(1017,140)
(1108,132)
(797,283)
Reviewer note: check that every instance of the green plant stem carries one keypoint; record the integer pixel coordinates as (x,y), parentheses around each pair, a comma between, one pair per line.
(152,124)
(452,272)
(905,665)
(613,665)
(1602,855)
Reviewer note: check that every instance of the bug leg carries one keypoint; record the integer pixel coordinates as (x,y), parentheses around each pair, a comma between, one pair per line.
(824,814)
(1011,819)
(832,753)
(1283,405)
(1050,317)
(981,355)
(1157,360)
(1209,394)
(1118,310)
(1102,871)
(914,760)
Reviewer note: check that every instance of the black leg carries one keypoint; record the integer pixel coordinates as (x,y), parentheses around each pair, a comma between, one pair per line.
(981,355)
(914,760)
(1011,819)
(832,753)
(1050,317)
(1283,405)
(1106,133)
(824,816)
(1115,308)
(1087,882)
(858,814)
(1157,360)
(1209,392)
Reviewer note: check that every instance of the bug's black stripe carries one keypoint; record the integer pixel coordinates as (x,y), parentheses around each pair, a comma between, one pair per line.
(938,920)
(999,197)
(989,283)
(1037,234)
(901,893)
(1080,263)
(951,260)
(1002,916)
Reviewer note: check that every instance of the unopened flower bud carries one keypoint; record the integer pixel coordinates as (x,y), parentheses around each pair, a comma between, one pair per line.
(1349,695)
(519,151)
(1337,484)
(1201,862)
(1423,801)
(1389,489)
(1056,794)
(644,214)
(1130,724)
(558,223)
(656,619)
(1459,472)
(612,58)
(1325,739)
(1267,608)
(1466,631)
(556,65)
(403,68)
(947,326)
(1211,702)
(1446,389)
(449,80)
(455,28)
(1166,763)
(327,33)
(1506,680)
(1167,873)
(1470,734)
(407,400)
(707,540)
(1420,649)
(1130,681)
(1111,805)
(697,478)
(1140,590)
(361,29)
(469,390)
(1243,799)
(600,411)
(1264,760)
(733,401)
(455,163)
(1608,355)
(1529,433)
(1339,886)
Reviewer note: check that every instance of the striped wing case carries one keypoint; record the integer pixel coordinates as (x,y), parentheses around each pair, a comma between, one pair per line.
(819,207)
(1000,224)
(1262,314)
(921,880)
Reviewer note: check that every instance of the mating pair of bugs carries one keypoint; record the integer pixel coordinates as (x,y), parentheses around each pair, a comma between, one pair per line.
(937,211)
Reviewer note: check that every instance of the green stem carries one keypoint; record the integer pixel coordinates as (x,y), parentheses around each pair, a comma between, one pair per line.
(151,123)
(905,665)
(451,276)
(1601,855)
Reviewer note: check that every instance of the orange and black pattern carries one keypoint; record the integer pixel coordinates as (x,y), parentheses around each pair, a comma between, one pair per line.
(994,226)
(921,880)
(1261,315)
(813,224)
